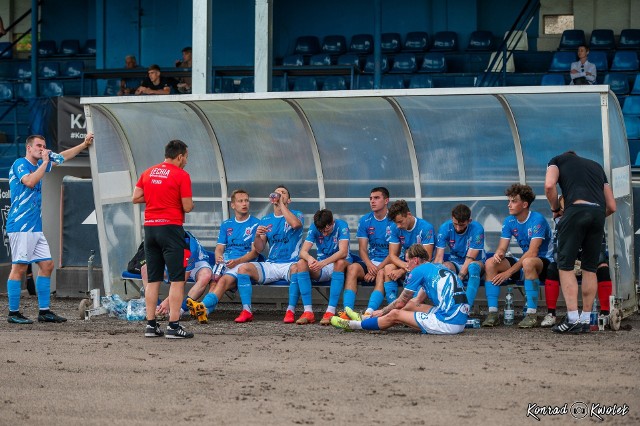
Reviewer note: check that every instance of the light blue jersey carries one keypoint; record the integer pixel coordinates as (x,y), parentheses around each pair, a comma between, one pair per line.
(459,244)
(378,232)
(422,233)
(442,288)
(25,214)
(198,253)
(237,236)
(328,245)
(284,241)
(535,226)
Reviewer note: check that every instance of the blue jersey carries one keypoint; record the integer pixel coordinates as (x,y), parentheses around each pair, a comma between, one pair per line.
(535,226)
(422,233)
(328,245)
(443,289)
(198,253)
(237,236)
(459,244)
(25,214)
(284,241)
(378,232)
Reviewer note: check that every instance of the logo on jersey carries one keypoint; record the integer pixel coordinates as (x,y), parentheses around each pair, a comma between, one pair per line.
(248,232)
(229,232)
(371,230)
(159,172)
(401,238)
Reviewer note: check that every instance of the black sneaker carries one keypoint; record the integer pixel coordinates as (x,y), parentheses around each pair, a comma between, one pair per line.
(586,327)
(566,327)
(18,318)
(178,333)
(151,331)
(51,317)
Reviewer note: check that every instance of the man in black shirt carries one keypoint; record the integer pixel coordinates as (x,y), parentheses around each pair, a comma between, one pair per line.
(156,84)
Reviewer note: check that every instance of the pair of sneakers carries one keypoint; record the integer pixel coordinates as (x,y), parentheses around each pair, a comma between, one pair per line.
(566,327)
(340,322)
(48,316)
(197,310)
(172,333)
(305,318)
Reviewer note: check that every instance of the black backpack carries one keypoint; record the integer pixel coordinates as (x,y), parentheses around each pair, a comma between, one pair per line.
(135,264)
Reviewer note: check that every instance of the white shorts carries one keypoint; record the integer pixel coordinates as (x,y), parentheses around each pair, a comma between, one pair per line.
(28,247)
(193,274)
(430,324)
(325,273)
(232,271)
(269,272)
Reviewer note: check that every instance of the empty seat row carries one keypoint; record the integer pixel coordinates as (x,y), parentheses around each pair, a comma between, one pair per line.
(48,48)
(623,60)
(50,69)
(401,63)
(601,39)
(620,84)
(14,91)
(631,106)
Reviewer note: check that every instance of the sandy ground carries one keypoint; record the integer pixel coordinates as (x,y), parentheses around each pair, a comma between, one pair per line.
(104,371)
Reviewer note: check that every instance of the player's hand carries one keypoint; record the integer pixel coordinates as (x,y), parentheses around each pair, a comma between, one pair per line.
(231,263)
(500,278)
(497,257)
(88,140)
(163,308)
(396,274)
(372,269)
(261,230)
(45,155)
(370,277)
(376,313)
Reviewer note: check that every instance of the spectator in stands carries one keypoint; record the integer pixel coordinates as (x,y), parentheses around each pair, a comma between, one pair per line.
(3,30)
(282,230)
(406,230)
(184,83)
(331,237)
(235,247)
(465,240)
(155,84)
(165,189)
(588,200)
(533,235)
(374,232)
(130,84)
(583,71)
(449,312)
(24,225)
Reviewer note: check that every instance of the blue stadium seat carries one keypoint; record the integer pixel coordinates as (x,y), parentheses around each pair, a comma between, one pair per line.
(416,41)
(392,82)
(52,89)
(404,63)
(73,69)
(69,47)
(421,81)
(49,70)
(561,61)
(636,86)
(552,80)
(361,44)
(279,84)
(23,70)
(307,45)
(445,41)
(223,85)
(631,106)
(350,59)
(433,62)
(625,60)
(112,87)
(629,39)
(6,91)
(246,85)
(481,41)
(334,44)
(47,48)
(370,64)
(293,61)
(24,90)
(320,59)
(618,83)
(6,50)
(600,60)
(571,40)
(335,82)
(602,40)
(632,125)
(89,47)
(305,84)
(390,42)
(365,82)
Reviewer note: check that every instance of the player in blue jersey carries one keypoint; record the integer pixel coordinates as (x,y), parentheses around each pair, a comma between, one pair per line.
(235,247)
(282,230)
(406,230)
(449,312)
(533,234)
(374,232)
(331,238)
(24,225)
(465,240)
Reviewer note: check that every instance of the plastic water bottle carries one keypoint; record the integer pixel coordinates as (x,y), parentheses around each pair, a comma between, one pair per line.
(472,323)
(136,310)
(593,319)
(508,308)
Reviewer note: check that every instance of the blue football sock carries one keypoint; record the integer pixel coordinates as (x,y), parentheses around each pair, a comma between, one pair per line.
(375,300)
(184,306)
(245,289)
(294,290)
(304,283)
(43,288)
(390,291)
(349,298)
(493,293)
(210,302)
(13,291)
(370,324)
(337,282)
(532,292)
(473,283)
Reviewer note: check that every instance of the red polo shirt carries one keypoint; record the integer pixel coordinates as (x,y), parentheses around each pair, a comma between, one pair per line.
(164,186)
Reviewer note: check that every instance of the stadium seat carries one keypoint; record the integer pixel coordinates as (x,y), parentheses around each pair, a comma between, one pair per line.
(6,50)
(305,84)
(602,40)
(6,91)
(636,86)
(223,85)
(618,83)
(365,82)
(49,70)
(445,41)
(481,41)
(600,60)
(52,89)
(24,90)
(416,41)
(370,64)
(73,69)
(631,106)
(552,80)
(47,48)
(632,125)
(23,71)
(561,61)
(334,45)
(488,79)
(433,62)
(421,81)
(246,85)
(404,63)
(89,47)
(517,41)
(293,61)
(629,39)
(279,84)
(361,44)
(320,59)
(390,42)
(625,60)
(392,82)
(112,87)
(69,47)
(307,45)
(571,40)
(350,59)
(511,67)
(335,82)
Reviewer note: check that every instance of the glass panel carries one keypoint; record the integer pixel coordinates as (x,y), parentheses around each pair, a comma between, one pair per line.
(108,147)
(118,219)
(463,144)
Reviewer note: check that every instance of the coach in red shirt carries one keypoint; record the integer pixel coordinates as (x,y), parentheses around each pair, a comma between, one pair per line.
(166,190)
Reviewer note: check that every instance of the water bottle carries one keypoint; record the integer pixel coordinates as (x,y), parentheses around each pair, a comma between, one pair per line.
(508,308)
(136,310)
(472,323)
(593,320)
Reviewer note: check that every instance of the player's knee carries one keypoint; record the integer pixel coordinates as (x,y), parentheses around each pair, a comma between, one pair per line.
(46,267)
(340,265)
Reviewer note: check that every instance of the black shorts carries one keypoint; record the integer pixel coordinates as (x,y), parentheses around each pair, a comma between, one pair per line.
(517,276)
(165,245)
(581,227)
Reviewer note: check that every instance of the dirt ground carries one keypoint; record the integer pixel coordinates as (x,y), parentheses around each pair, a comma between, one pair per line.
(104,372)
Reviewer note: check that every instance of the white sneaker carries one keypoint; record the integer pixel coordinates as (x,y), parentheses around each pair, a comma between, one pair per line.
(548,321)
